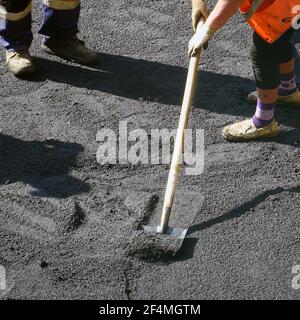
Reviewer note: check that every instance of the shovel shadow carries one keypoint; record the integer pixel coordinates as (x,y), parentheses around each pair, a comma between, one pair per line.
(241,210)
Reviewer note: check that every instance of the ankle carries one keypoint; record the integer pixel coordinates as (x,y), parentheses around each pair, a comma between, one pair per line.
(264,114)
(288,84)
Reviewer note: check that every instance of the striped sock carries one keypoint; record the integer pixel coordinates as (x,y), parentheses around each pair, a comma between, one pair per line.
(288,84)
(264,114)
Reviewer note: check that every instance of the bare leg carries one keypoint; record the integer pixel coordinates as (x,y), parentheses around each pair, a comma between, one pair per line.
(267,96)
(287,67)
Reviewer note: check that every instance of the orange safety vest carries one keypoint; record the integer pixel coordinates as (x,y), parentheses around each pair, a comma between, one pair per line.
(270,18)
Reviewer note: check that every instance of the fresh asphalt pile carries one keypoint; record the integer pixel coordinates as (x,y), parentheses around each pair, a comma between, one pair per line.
(68,224)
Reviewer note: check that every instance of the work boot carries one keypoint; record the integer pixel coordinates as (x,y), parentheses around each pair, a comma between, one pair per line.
(246,130)
(70,48)
(292,100)
(19,62)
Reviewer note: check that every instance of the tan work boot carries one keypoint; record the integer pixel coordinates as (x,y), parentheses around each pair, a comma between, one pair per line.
(246,130)
(292,100)
(19,63)
(70,48)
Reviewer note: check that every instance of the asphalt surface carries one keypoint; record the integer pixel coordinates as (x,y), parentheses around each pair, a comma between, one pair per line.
(67,222)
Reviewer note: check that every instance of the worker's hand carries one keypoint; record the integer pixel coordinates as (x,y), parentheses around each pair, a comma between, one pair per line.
(199,12)
(200,39)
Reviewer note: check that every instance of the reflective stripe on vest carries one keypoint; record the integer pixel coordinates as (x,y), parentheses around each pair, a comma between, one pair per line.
(255,5)
(4,14)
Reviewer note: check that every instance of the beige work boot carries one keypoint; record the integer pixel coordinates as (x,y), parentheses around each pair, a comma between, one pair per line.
(292,100)
(70,48)
(19,63)
(246,130)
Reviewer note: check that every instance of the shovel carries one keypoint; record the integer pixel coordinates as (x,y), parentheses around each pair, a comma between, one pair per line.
(174,172)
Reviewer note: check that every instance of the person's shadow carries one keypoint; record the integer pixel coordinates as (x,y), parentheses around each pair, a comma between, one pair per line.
(43,165)
(152,81)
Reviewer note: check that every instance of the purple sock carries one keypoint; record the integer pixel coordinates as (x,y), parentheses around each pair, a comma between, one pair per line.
(288,84)
(264,114)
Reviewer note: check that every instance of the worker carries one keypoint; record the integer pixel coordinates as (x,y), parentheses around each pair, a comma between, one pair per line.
(59,28)
(272,55)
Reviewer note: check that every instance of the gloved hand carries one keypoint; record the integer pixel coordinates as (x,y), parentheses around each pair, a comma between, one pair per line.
(200,39)
(199,12)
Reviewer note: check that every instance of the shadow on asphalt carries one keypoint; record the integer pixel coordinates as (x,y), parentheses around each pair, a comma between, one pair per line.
(241,210)
(152,81)
(187,250)
(43,165)
(145,80)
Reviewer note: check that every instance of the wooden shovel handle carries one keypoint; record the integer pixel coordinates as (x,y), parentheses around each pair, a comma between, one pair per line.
(179,141)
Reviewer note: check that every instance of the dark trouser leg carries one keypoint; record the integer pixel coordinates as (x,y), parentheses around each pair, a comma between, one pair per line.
(15,24)
(266,60)
(60,27)
(60,18)
(267,57)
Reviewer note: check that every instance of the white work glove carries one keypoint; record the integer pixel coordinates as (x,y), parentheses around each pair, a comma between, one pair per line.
(200,38)
(199,12)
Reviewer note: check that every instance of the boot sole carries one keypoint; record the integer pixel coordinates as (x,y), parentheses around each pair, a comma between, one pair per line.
(240,139)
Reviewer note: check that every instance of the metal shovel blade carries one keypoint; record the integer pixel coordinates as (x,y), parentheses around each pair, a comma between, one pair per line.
(172,232)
